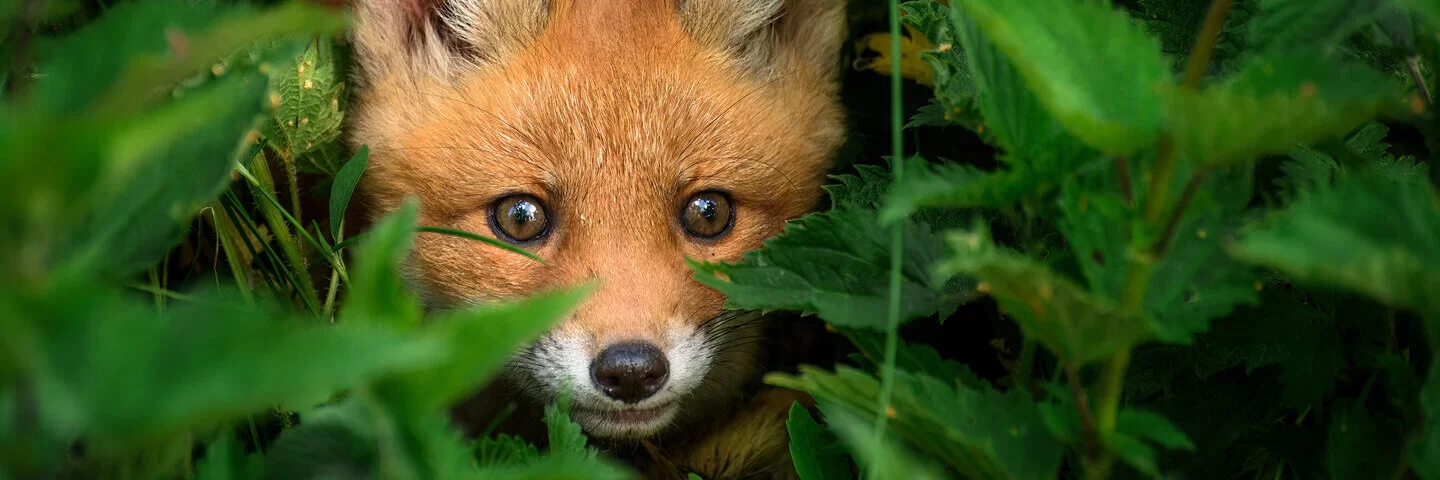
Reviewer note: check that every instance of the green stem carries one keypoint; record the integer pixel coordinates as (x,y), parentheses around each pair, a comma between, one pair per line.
(1027,365)
(1205,42)
(897,238)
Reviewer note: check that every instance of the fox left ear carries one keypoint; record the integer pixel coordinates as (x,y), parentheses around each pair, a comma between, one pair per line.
(767,36)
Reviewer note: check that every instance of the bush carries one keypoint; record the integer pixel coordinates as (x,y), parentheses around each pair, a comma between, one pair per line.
(1183,220)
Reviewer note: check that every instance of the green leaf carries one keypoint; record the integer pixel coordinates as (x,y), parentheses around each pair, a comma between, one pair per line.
(834,264)
(815,451)
(1015,120)
(115,370)
(333,442)
(1360,444)
(914,358)
(1193,282)
(955,92)
(1279,331)
(559,468)
(503,450)
(885,456)
(345,181)
(1425,453)
(1093,68)
(141,49)
(310,113)
(167,165)
(1307,24)
(480,340)
(979,433)
(1075,324)
(1367,234)
(378,295)
(1273,104)
(225,460)
(567,440)
(957,185)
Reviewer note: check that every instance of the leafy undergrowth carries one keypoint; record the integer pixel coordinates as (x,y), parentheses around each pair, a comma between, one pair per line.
(1190,214)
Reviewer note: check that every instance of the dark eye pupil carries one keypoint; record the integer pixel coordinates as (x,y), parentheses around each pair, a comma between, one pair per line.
(707,215)
(522,213)
(706,208)
(519,218)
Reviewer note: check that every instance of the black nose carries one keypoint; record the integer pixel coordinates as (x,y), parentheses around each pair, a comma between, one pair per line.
(630,372)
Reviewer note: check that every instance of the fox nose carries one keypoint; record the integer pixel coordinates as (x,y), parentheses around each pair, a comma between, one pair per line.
(630,372)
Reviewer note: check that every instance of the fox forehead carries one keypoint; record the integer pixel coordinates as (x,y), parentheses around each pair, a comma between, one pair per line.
(612,119)
(582,118)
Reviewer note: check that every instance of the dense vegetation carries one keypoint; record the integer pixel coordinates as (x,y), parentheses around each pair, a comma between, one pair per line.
(1164,238)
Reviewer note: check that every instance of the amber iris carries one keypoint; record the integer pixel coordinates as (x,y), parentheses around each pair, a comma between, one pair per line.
(519,218)
(707,215)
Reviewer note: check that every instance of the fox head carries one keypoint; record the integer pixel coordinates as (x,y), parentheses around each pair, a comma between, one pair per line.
(616,139)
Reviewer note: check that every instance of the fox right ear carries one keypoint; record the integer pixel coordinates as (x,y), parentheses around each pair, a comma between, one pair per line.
(441,38)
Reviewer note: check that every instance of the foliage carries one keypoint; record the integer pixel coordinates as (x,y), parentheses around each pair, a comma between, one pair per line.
(1215,258)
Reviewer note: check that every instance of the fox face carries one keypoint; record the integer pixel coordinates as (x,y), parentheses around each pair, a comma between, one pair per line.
(615,139)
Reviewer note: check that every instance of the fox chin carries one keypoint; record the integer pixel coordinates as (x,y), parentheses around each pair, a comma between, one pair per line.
(616,139)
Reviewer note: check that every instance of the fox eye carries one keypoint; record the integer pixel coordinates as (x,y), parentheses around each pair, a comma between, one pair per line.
(707,215)
(519,218)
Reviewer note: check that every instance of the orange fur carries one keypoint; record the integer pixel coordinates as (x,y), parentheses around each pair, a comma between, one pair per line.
(612,113)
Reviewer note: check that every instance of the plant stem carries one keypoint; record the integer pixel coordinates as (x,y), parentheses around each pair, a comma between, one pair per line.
(1082,405)
(1027,365)
(897,239)
(1205,42)
(1122,173)
(1191,187)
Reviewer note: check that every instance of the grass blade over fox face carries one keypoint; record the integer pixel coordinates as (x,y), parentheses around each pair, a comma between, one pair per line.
(614,138)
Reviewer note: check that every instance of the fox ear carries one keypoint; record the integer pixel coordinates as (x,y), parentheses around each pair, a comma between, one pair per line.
(442,37)
(769,35)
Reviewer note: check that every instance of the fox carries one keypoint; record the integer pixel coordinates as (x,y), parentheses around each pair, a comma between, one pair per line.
(616,139)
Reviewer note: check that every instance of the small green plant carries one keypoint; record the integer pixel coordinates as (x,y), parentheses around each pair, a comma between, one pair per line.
(1216,263)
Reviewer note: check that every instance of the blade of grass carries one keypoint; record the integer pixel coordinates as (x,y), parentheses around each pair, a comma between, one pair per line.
(897,144)
(226,235)
(276,264)
(275,215)
(275,203)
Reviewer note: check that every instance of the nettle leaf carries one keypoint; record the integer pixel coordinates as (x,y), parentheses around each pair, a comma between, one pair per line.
(913,357)
(480,340)
(1360,444)
(1015,120)
(836,265)
(119,371)
(566,437)
(1192,283)
(310,112)
(1092,67)
(980,433)
(956,185)
(225,460)
(954,88)
(1311,170)
(378,295)
(884,456)
(1425,452)
(1176,23)
(816,453)
(1078,326)
(170,162)
(335,440)
(1281,331)
(865,190)
(1308,24)
(1368,234)
(502,450)
(1272,104)
(1137,433)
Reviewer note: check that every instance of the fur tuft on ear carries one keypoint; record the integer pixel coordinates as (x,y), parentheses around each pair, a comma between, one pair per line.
(765,36)
(440,38)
